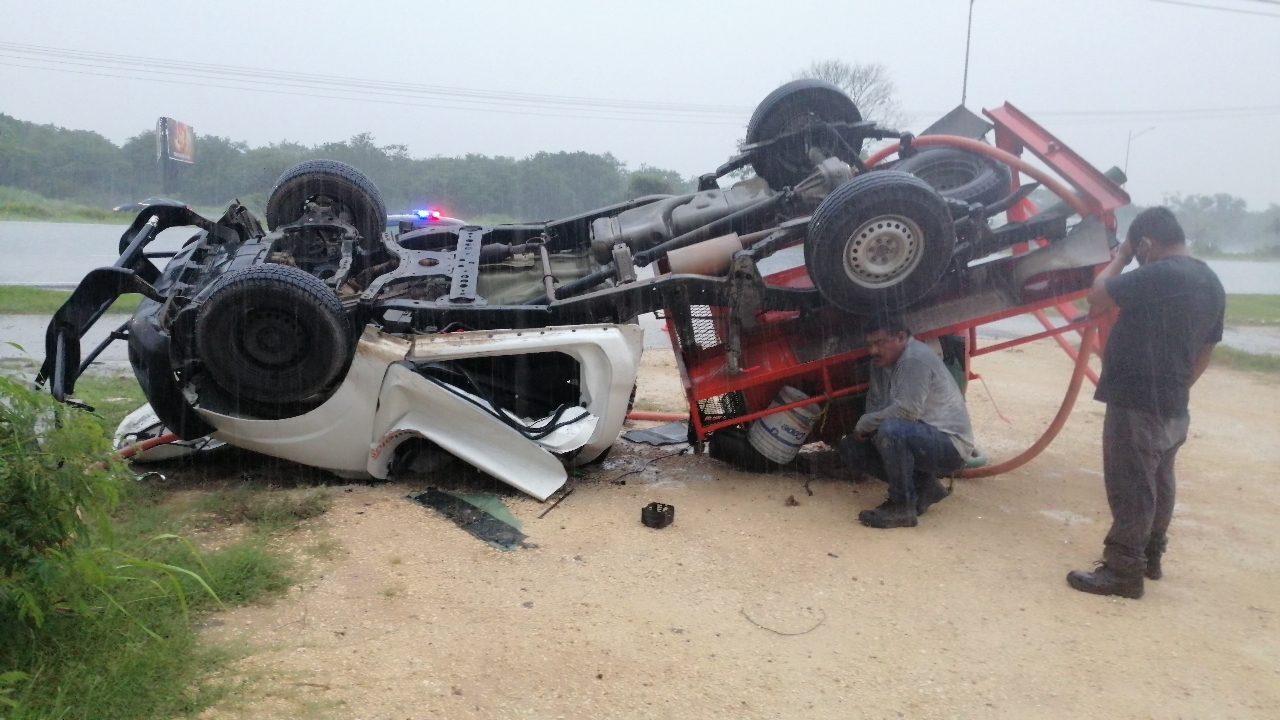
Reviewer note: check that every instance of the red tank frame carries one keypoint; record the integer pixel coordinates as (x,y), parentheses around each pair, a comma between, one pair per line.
(770,362)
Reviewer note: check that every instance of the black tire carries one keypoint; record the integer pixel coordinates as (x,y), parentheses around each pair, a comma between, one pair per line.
(794,106)
(336,180)
(879,242)
(961,175)
(272,334)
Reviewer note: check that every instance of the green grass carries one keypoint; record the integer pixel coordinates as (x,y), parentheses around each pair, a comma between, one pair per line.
(18,300)
(267,512)
(24,205)
(136,652)
(1253,309)
(18,204)
(111,396)
(106,665)
(1224,356)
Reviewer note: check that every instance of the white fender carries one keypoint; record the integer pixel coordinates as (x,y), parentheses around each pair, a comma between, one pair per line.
(412,406)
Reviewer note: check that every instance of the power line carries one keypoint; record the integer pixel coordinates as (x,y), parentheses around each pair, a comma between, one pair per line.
(331,83)
(466,99)
(374,100)
(1223,9)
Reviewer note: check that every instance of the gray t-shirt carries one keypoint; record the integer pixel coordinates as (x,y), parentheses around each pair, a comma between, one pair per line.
(918,388)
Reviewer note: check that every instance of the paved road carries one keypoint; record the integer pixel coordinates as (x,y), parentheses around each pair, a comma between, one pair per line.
(28,331)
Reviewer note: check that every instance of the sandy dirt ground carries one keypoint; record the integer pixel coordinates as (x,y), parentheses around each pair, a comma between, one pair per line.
(749,607)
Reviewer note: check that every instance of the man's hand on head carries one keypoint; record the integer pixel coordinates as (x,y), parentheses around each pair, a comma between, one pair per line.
(1125,252)
(1100,301)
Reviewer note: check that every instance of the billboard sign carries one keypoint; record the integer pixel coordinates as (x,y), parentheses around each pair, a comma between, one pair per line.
(175,141)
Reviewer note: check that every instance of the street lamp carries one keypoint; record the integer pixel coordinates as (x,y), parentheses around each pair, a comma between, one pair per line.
(1130,142)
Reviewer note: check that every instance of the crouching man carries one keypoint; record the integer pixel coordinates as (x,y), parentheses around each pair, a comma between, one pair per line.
(915,430)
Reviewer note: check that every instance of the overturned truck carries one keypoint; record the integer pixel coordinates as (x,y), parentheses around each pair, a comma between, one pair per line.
(325,339)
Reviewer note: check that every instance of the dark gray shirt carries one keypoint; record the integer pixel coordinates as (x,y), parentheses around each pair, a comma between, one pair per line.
(1169,309)
(918,388)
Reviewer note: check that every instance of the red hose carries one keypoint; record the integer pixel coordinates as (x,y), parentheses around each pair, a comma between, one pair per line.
(994,153)
(131,450)
(663,416)
(1068,402)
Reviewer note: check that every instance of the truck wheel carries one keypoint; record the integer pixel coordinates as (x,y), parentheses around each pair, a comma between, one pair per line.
(879,242)
(338,182)
(961,175)
(272,334)
(806,104)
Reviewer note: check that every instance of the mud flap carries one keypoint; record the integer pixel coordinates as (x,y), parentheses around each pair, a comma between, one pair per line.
(411,406)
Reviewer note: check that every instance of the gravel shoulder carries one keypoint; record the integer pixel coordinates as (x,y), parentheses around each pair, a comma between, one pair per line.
(968,615)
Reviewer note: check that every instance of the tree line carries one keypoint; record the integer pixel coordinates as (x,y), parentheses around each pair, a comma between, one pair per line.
(83,166)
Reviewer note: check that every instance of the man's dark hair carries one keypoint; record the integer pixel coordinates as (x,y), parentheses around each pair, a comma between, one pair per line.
(891,324)
(1159,224)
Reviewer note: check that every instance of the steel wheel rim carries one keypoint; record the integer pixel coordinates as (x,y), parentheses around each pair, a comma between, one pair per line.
(882,251)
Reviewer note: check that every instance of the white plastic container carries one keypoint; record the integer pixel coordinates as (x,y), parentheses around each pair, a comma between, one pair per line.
(779,436)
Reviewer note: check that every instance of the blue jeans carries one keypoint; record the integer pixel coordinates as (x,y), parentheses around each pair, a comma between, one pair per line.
(907,455)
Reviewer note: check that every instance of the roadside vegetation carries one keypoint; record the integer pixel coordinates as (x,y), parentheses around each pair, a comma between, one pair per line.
(18,300)
(1224,356)
(105,580)
(1253,309)
(17,204)
(85,168)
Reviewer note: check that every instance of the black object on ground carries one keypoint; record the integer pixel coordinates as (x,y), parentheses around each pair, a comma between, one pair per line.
(730,445)
(475,520)
(657,515)
(670,434)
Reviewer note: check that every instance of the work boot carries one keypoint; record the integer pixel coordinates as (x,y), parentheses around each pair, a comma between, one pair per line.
(890,514)
(932,492)
(1153,566)
(1105,580)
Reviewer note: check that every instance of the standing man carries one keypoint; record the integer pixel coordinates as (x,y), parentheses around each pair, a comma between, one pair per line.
(1171,314)
(916,426)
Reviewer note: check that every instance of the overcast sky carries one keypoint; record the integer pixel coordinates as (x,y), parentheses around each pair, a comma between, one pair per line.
(1091,71)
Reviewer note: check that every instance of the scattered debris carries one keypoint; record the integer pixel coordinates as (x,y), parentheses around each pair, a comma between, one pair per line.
(837,557)
(657,515)
(484,516)
(672,433)
(556,503)
(779,632)
(791,501)
(641,469)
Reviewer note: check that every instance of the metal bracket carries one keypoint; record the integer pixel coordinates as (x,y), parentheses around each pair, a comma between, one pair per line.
(412,264)
(746,292)
(622,260)
(466,268)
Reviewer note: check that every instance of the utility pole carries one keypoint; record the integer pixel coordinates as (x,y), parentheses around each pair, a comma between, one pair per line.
(968,37)
(1130,142)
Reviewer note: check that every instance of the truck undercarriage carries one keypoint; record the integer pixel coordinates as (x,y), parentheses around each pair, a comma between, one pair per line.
(325,339)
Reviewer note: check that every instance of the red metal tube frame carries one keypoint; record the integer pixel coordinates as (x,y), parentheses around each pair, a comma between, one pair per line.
(1064,412)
